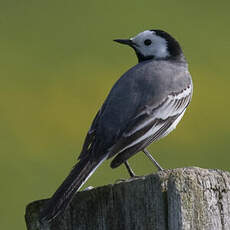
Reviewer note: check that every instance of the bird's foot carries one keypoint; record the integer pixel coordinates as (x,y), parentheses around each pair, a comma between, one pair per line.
(88,188)
(120,180)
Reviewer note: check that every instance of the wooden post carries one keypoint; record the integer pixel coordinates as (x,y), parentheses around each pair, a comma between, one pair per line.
(179,199)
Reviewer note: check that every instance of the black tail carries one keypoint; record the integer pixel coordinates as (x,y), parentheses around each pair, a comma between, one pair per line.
(64,194)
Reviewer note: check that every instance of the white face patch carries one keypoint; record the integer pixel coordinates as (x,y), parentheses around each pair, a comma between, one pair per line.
(158,47)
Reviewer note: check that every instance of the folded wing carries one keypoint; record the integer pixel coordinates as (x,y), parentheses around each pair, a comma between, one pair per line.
(151,124)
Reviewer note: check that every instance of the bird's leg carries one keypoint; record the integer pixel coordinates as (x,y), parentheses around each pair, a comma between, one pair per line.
(152,159)
(131,173)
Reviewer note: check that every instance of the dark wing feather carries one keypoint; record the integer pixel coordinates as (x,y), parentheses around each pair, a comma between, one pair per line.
(150,125)
(90,137)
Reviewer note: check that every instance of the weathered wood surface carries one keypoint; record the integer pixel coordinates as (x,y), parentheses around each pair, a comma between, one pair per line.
(186,198)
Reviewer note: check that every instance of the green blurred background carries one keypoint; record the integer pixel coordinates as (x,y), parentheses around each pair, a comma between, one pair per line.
(57,65)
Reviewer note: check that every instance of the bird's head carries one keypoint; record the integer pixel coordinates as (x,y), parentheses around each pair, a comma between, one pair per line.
(154,44)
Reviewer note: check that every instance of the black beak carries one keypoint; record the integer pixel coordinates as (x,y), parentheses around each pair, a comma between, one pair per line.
(124,41)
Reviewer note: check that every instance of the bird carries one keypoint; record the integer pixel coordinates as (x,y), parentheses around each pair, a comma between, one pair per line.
(144,105)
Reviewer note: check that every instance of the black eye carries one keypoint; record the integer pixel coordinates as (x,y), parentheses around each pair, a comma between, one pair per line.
(148,42)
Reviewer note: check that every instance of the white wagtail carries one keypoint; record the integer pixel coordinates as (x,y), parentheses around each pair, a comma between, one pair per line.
(144,105)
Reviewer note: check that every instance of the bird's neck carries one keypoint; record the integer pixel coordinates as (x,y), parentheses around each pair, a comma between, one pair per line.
(177,58)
